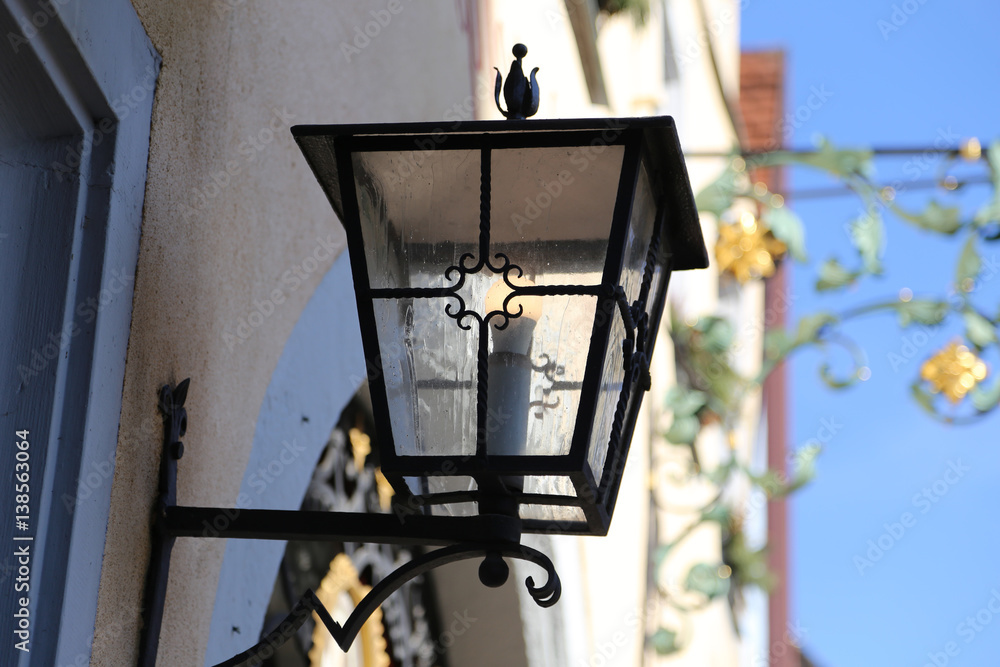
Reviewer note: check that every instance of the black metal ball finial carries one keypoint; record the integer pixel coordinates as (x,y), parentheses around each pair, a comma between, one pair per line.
(493,571)
(519,92)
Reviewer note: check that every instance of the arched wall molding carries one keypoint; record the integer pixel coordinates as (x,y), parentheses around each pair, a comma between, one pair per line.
(320,369)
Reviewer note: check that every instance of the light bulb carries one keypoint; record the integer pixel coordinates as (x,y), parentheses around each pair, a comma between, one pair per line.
(516,336)
(510,371)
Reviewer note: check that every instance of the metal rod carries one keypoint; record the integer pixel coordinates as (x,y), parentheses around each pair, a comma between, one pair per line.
(843,191)
(403,527)
(882,150)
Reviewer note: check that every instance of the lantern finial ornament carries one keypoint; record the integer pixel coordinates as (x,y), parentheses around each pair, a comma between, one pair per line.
(520,94)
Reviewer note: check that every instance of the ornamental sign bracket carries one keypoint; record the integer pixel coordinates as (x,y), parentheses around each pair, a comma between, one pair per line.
(490,537)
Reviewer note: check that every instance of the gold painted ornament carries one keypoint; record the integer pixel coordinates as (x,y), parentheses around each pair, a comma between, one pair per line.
(747,249)
(954,371)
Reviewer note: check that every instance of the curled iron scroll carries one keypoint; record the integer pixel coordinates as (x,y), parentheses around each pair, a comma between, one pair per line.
(545,595)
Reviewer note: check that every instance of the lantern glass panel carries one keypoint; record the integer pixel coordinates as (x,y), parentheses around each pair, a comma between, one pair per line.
(550,217)
(560,513)
(610,388)
(638,236)
(419,213)
(455,509)
(549,485)
(559,347)
(640,233)
(429,365)
(551,210)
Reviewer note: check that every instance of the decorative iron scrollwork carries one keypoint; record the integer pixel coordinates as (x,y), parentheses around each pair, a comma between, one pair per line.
(173,521)
(545,596)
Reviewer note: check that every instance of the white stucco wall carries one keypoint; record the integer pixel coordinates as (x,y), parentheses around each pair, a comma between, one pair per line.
(235,224)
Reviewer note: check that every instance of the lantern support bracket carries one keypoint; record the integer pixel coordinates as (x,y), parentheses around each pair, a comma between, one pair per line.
(491,537)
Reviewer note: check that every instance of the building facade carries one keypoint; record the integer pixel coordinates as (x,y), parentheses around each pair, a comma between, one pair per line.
(164,225)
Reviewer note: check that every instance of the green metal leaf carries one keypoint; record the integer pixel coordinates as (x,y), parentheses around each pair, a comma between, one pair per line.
(834,276)
(718,513)
(923,311)
(718,196)
(787,228)
(810,327)
(660,555)
(684,430)
(777,343)
(638,8)
(804,466)
(839,162)
(684,402)
(969,263)
(717,334)
(704,578)
(834,382)
(937,218)
(868,236)
(923,398)
(990,211)
(665,642)
(978,329)
(771,482)
(749,565)
(986,399)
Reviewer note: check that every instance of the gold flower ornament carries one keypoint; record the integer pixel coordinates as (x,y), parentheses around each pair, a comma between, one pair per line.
(747,249)
(954,371)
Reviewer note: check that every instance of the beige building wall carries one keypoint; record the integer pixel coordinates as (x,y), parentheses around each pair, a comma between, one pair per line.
(231,208)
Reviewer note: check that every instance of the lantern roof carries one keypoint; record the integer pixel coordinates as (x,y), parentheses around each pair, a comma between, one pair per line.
(658,138)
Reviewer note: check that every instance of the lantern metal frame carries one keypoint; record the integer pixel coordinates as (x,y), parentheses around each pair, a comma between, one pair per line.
(676,243)
(496,532)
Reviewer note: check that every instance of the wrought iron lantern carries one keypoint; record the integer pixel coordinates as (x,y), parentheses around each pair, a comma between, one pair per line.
(510,277)
(510,280)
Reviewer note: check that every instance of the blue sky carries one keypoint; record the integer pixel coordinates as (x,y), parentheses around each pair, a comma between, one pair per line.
(934,76)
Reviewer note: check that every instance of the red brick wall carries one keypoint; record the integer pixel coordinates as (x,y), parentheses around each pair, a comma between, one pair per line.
(762,95)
